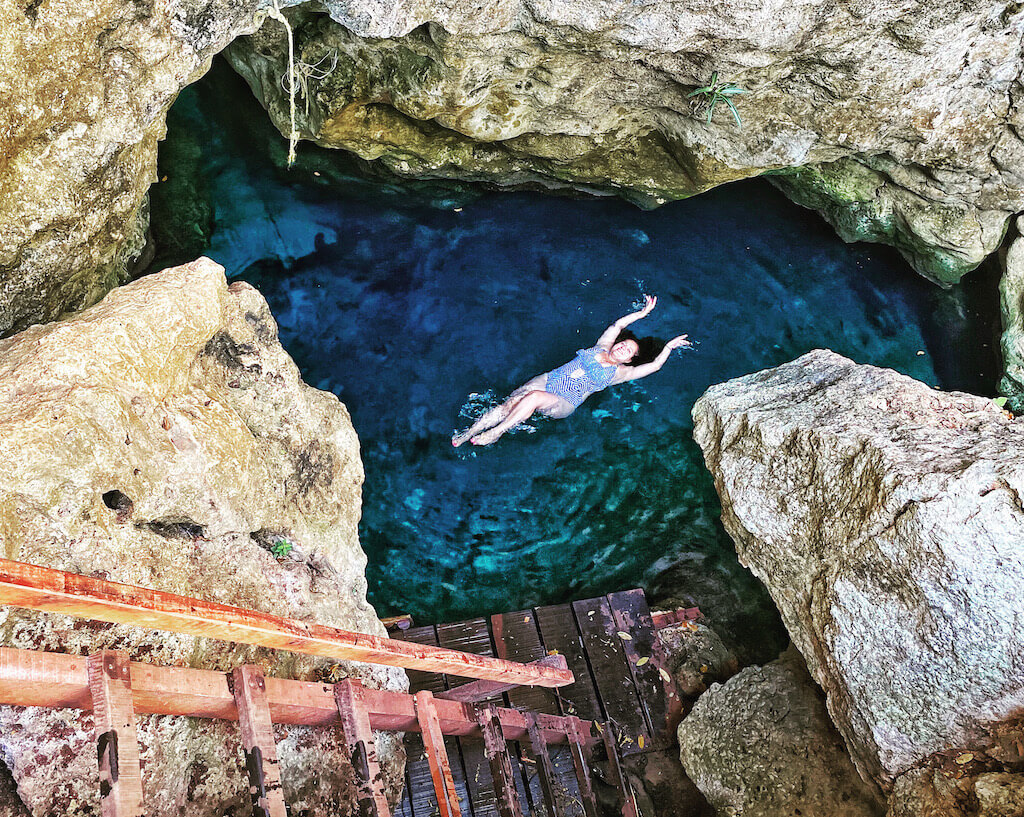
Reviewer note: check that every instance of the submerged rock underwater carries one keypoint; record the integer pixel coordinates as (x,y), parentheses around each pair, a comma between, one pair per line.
(406,299)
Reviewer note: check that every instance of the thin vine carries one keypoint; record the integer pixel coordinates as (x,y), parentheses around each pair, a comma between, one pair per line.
(293,136)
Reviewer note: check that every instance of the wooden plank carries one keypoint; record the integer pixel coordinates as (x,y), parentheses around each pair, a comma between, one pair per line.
(478,691)
(397,622)
(611,671)
(426,636)
(545,771)
(579,747)
(559,632)
(117,745)
(29,678)
(258,743)
(516,638)
(433,742)
(618,778)
(496,751)
(358,737)
(644,655)
(473,636)
(54,591)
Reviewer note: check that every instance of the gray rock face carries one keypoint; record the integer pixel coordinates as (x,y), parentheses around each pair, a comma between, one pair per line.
(934,793)
(1011,296)
(901,120)
(885,519)
(761,745)
(696,657)
(164,438)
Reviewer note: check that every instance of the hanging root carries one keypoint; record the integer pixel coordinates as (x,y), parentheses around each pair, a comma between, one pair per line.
(293,135)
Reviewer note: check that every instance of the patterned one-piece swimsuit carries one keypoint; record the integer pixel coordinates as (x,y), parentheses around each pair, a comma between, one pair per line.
(580,377)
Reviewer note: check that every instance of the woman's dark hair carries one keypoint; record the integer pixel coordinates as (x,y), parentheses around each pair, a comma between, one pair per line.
(649,348)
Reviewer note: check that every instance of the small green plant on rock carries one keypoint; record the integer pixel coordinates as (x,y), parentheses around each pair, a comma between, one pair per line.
(281,548)
(718,91)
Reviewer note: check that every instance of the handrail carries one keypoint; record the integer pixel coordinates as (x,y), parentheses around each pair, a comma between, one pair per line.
(55,591)
(56,680)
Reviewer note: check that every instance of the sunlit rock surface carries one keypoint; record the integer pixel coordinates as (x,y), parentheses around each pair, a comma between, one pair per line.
(761,745)
(885,520)
(85,89)
(164,438)
(902,120)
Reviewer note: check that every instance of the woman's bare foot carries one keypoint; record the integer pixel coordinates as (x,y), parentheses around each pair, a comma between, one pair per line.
(461,437)
(487,437)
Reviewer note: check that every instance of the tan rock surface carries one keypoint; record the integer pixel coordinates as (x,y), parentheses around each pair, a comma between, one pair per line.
(164,438)
(84,90)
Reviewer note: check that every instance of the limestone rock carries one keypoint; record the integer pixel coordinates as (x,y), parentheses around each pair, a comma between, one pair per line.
(930,792)
(761,745)
(164,438)
(901,121)
(1000,795)
(1011,296)
(885,519)
(695,657)
(86,87)
(919,102)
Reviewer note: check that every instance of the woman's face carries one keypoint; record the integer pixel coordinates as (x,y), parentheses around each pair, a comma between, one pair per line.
(623,351)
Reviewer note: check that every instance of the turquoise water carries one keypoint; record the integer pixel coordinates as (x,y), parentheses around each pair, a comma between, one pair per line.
(405,301)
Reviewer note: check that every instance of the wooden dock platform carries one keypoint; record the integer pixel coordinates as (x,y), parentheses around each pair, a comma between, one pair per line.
(610,644)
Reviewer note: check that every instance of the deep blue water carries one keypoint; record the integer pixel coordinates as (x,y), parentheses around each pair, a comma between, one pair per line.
(406,300)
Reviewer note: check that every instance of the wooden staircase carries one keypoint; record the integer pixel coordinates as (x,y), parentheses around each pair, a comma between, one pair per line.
(535,674)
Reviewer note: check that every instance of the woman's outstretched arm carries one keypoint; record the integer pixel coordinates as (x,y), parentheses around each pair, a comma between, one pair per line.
(636,372)
(612,332)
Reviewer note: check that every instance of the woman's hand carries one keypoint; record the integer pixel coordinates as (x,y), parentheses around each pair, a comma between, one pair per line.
(649,303)
(676,342)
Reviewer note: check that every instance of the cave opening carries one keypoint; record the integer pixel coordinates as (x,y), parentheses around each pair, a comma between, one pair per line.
(414,302)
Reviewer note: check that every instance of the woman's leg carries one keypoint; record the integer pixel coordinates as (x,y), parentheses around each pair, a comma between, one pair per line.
(499,413)
(520,411)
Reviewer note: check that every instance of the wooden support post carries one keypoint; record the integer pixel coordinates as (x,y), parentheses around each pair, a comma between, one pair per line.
(578,745)
(250,690)
(355,730)
(437,755)
(618,778)
(117,745)
(496,750)
(545,770)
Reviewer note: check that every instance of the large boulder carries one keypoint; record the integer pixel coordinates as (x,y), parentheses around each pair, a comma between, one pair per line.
(899,121)
(85,90)
(164,438)
(885,519)
(761,745)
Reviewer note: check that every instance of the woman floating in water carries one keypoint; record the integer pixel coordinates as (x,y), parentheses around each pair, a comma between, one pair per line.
(615,359)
